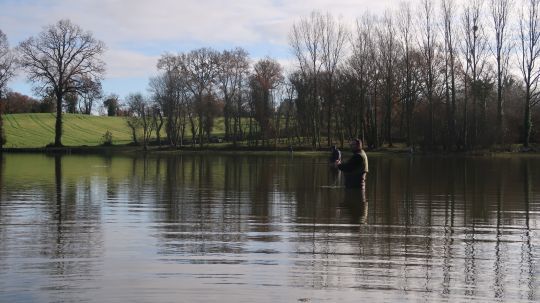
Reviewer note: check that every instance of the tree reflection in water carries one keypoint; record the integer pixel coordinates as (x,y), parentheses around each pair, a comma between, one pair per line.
(438,227)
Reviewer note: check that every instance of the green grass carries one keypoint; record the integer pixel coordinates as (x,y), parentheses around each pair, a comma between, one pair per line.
(37,130)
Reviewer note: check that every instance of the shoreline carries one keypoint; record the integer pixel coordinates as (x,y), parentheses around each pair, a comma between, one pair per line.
(298,151)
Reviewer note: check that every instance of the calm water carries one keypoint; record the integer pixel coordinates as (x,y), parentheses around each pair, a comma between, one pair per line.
(228,228)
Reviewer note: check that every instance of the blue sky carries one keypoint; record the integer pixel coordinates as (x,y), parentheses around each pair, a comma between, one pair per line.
(137,32)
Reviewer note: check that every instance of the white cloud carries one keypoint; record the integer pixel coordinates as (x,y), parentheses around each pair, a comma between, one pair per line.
(210,21)
(136,32)
(126,64)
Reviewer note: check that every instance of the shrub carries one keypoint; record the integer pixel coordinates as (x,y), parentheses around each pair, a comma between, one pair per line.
(107,138)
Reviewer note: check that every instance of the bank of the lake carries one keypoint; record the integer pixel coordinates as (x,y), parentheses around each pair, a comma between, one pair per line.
(84,134)
(227,148)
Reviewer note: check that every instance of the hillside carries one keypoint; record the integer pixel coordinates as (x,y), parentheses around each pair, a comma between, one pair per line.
(37,130)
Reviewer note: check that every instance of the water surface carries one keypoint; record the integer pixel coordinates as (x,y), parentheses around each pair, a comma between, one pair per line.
(200,228)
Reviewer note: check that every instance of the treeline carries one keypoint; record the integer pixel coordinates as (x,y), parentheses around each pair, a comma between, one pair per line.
(194,88)
(430,73)
(435,75)
(16,103)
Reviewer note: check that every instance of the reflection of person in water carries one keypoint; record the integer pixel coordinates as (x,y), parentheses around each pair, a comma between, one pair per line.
(355,201)
(356,168)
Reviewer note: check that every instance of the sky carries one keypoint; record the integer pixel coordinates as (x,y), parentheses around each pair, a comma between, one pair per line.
(137,32)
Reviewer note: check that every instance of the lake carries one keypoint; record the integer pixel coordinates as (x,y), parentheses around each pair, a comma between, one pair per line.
(233,228)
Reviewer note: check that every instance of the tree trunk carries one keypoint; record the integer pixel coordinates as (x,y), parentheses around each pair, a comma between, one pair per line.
(250,140)
(58,125)
(465,118)
(527,123)
(448,105)
(500,113)
(431,122)
(389,114)
(265,128)
(287,119)
(193,130)
(201,126)
(158,132)
(2,132)
(235,132)
(453,122)
(409,120)
(474,89)
(226,120)
(329,125)
(134,135)
(374,118)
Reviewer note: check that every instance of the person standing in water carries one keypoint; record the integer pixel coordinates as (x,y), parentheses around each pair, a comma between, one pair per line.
(356,168)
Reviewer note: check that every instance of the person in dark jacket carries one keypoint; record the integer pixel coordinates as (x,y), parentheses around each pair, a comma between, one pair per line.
(356,169)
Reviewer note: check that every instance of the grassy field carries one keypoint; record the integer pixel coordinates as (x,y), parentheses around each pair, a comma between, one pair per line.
(37,130)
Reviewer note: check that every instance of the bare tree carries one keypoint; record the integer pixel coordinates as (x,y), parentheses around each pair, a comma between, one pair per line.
(428,48)
(288,108)
(306,41)
(529,30)
(7,71)
(240,103)
(500,12)
(448,8)
(7,63)
(170,93)
(474,49)
(405,28)
(89,93)
(387,62)
(157,121)
(59,58)
(363,62)
(233,66)
(267,75)
(200,69)
(334,39)
(140,117)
